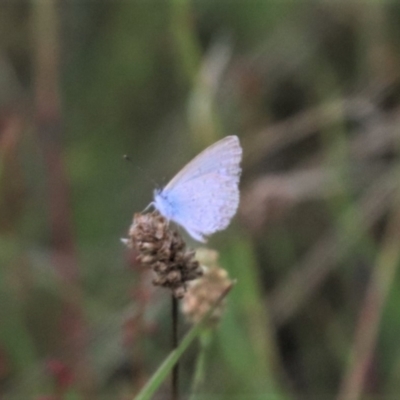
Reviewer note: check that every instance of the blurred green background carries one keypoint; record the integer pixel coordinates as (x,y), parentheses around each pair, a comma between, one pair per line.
(311,88)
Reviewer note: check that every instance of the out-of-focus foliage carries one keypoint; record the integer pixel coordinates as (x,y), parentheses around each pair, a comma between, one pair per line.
(312,90)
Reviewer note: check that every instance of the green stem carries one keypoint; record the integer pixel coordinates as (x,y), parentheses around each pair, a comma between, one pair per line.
(165,368)
(199,375)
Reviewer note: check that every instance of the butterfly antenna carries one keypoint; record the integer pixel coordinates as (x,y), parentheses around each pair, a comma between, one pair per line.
(126,157)
(150,205)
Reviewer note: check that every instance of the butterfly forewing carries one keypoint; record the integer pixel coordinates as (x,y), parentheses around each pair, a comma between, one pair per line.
(224,154)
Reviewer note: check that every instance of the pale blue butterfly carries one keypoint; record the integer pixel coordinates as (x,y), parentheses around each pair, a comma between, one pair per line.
(204,196)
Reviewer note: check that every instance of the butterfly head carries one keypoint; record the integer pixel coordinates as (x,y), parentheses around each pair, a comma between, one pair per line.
(162,204)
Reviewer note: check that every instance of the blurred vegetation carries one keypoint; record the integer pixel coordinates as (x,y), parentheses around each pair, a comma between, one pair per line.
(311,88)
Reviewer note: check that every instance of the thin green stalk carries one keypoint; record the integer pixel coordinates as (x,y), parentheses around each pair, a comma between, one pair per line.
(199,374)
(165,368)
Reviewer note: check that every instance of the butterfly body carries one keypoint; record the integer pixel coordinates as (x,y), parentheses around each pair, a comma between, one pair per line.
(204,196)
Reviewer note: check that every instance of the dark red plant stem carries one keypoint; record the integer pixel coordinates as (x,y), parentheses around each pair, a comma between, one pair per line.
(49,128)
(175,340)
(367,329)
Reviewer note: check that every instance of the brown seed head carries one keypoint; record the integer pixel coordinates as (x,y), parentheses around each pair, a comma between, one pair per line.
(205,291)
(162,249)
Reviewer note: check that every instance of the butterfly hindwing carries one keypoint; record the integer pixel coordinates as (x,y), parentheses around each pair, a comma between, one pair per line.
(205,204)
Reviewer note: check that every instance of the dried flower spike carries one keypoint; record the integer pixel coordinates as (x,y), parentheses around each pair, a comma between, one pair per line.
(162,248)
(205,291)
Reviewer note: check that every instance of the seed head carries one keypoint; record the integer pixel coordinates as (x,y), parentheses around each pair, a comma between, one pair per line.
(205,291)
(163,249)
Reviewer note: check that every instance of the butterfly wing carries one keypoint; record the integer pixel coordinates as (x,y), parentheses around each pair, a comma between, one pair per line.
(204,196)
(226,153)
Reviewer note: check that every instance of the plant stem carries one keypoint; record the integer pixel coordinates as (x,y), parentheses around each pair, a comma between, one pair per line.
(148,391)
(366,334)
(46,17)
(175,370)
(198,380)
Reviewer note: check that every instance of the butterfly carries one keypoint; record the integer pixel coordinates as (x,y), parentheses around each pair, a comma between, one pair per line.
(204,196)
